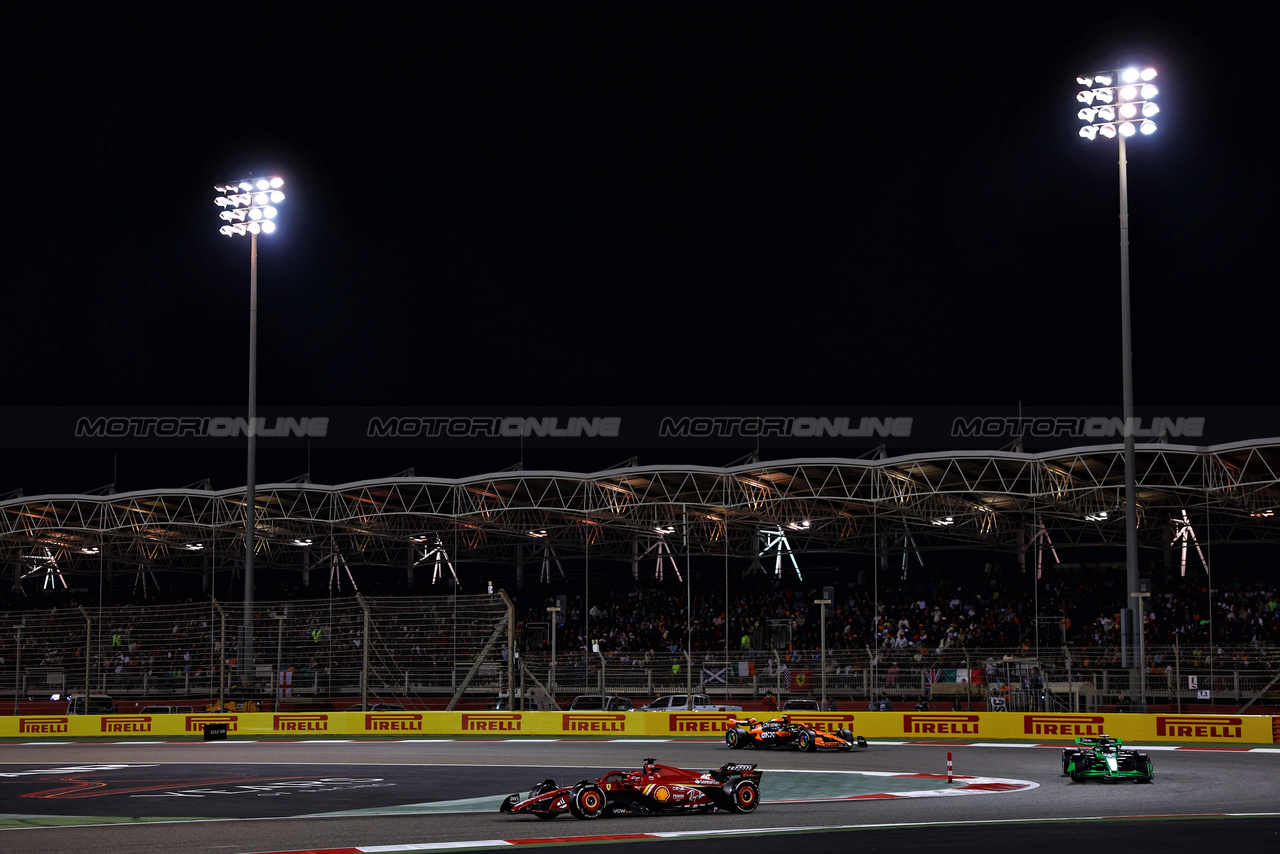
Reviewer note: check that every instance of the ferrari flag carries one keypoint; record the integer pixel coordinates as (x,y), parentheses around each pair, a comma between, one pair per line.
(800,680)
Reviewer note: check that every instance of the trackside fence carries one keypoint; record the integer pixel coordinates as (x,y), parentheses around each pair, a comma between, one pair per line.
(447,647)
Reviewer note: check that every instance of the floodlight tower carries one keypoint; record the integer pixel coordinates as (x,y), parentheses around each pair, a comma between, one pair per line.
(248,207)
(1125,106)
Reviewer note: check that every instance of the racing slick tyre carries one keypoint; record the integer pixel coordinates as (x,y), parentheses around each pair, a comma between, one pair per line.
(807,741)
(1067,757)
(735,737)
(744,796)
(1144,765)
(587,800)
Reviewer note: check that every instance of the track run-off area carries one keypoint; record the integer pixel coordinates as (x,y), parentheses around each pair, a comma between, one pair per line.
(443,794)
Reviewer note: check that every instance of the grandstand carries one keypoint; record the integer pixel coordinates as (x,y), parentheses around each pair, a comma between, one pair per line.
(777,517)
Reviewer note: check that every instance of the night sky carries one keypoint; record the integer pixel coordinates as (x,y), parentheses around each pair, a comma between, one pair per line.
(643,204)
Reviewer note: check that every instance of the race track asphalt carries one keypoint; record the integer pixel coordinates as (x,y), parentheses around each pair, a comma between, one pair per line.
(265,797)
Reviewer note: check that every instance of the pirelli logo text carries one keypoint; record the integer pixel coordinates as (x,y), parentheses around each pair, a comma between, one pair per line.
(195,723)
(126,723)
(940,724)
(1063,725)
(827,723)
(300,722)
(393,722)
(493,722)
(1199,726)
(695,723)
(594,723)
(41,725)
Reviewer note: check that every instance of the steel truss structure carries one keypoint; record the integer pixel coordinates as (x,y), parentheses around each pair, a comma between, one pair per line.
(997,500)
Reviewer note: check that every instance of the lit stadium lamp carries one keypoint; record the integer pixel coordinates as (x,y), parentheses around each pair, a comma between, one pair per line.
(252,199)
(1088,131)
(1108,106)
(1148,127)
(268,226)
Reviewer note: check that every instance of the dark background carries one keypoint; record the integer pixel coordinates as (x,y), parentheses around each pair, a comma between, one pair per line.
(650,204)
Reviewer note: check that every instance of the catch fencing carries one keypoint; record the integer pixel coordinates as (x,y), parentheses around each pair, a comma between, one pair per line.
(457,648)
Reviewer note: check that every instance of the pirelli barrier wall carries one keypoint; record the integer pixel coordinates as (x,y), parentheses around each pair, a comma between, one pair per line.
(966,726)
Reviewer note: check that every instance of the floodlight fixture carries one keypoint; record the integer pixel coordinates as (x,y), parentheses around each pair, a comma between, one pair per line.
(1117,104)
(252,199)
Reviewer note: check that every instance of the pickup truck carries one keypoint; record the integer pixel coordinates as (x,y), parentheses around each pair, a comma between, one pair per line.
(680,702)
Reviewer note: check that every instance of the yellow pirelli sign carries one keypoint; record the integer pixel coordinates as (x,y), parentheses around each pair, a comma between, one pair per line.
(899,726)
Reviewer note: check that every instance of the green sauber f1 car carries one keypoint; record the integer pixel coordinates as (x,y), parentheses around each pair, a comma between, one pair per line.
(1101,758)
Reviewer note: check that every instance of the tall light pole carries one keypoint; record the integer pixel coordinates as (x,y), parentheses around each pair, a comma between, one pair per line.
(551,671)
(248,207)
(1125,106)
(822,656)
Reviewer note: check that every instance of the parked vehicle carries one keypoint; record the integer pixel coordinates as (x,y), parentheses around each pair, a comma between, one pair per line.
(680,703)
(167,710)
(90,704)
(798,704)
(600,703)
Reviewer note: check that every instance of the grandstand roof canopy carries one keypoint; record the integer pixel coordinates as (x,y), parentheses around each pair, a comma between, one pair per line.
(987,500)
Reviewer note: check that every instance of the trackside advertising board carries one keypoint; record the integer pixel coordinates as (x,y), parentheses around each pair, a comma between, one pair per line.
(910,726)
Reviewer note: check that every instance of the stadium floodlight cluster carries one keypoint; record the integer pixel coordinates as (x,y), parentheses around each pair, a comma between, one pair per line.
(248,206)
(1124,102)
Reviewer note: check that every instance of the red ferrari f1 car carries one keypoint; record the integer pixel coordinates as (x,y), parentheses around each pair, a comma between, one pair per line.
(781,732)
(654,790)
